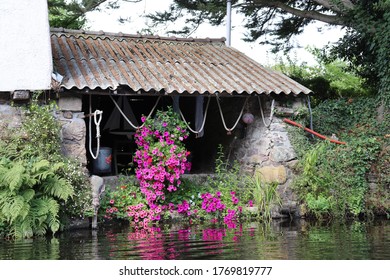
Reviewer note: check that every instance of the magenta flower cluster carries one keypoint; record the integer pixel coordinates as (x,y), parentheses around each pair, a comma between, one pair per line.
(235,199)
(161,157)
(142,215)
(230,218)
(184,207)
(161,160)
(212,203)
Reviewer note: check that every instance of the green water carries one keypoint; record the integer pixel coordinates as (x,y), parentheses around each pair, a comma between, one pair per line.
(281,240)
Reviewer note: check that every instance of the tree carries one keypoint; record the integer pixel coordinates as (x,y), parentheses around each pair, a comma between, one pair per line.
(364,47)
(274,22)
(328,79)
(72,14)
(278,19)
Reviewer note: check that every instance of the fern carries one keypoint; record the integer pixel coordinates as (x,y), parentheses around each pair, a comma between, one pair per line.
(57,166)
(4,194)
(25,210)
(14,176)
(28,194)
(53,223)
(40,165)
(29,204)
(53,207)
(58,187)
(15,207)
(12,208)
(36,180)
(41,169)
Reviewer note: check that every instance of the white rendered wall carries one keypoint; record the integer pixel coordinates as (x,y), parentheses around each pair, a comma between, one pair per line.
(25,51)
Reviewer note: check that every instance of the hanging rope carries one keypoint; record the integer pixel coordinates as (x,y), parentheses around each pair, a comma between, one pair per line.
(97,118)
(229,130)
(124,115)
(270,115)
(184,119)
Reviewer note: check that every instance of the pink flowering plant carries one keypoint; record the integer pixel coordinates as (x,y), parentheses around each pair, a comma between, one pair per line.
(126,202)
(116,202)
(161,156)
(161,160)
(222,206)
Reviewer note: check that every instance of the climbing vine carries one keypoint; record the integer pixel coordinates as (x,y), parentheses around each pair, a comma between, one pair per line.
(333,179)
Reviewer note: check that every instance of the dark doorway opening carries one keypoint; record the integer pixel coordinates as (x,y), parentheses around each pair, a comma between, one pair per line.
(118,136)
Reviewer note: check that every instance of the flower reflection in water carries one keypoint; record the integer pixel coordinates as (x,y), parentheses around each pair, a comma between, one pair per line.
(153,243)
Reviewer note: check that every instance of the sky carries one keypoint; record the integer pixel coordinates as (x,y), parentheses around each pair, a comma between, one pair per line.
(107,20)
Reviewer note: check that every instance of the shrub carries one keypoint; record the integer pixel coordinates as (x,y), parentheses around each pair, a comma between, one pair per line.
(30,196)
(57,185)
(333,178)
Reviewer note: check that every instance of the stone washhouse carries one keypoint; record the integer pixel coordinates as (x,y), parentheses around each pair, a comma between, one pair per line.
(132,75)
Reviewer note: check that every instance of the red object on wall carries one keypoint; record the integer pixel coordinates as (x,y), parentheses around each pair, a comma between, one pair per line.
(313,132)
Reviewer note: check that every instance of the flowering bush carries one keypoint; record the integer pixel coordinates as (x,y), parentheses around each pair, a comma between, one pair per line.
(212,203)
(128,203)
(116,203)
(161,157)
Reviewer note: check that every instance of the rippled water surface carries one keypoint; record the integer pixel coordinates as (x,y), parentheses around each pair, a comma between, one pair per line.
(280,240)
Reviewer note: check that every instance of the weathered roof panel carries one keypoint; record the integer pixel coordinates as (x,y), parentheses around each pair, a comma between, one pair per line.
(98,60)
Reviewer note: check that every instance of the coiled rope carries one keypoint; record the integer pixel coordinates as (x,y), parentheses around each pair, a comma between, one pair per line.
(271,113)
(97,118)
(185,121)
(125,117)
(229,130)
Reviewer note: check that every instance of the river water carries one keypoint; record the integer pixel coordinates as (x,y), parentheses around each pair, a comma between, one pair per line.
(280,240)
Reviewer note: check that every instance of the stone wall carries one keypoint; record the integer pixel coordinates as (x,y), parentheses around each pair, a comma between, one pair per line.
(266,151)
(73,133)
(10,116)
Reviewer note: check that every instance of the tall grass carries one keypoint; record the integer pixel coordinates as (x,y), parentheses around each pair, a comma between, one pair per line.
(265,196)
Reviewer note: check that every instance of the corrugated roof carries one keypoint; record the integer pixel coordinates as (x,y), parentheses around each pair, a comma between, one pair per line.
(98,60)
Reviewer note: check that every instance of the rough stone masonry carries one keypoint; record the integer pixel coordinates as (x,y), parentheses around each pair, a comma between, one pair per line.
(267,152)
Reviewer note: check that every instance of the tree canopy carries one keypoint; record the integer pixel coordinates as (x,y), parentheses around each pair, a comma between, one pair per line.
(274,22)
(367,25)
(72,14)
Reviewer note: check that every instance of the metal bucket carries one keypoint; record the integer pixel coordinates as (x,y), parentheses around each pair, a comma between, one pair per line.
(102,164)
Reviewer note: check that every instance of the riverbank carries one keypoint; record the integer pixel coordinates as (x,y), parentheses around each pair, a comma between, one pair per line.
(344,180)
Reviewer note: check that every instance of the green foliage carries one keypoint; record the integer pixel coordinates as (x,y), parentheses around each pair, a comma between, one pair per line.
(365,45)
(33,168)
(333,178)
(226,178)
(30,196)
(80,204)
(71,14)
(190,191)
(320,206)
(115,201)
(348,116)
(328,79)
(264,195)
